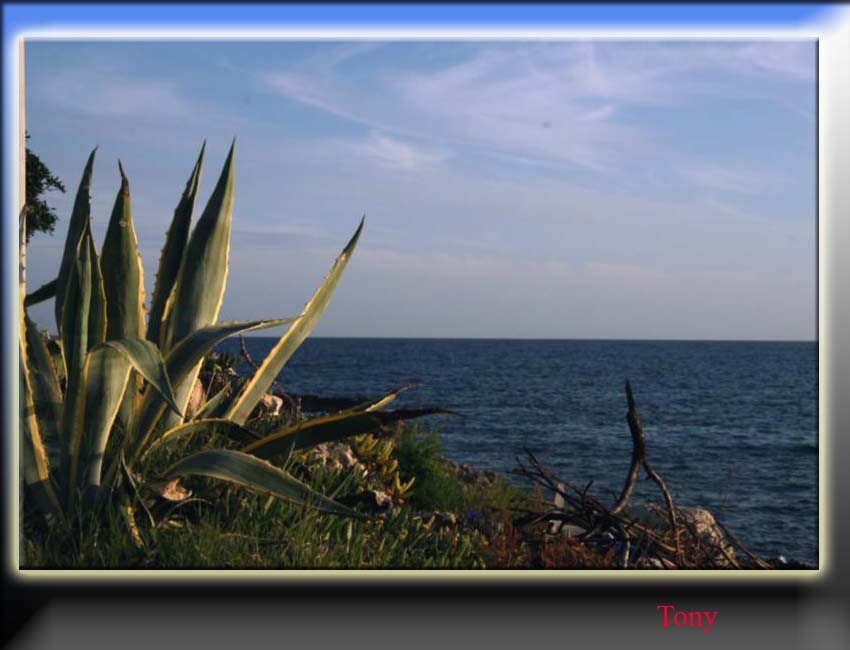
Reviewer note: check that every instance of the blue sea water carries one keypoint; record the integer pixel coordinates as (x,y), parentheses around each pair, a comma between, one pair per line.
(731,426)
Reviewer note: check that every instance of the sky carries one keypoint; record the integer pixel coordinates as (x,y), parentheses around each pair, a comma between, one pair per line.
(513,189)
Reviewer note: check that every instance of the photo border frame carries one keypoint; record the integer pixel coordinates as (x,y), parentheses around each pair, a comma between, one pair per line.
(826,25)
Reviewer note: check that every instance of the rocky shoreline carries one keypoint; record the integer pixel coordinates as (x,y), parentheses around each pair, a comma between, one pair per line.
(560,524)
(713,546)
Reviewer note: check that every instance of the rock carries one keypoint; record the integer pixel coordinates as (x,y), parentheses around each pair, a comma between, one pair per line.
(268,406)
(170,490)
(699,520)
(555,525)
(373,500)
(370,500)
(272,404)
(339,456)
(382,499)
(570,530)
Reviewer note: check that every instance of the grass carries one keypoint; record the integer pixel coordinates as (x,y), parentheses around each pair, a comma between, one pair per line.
(451,518)
(229,527)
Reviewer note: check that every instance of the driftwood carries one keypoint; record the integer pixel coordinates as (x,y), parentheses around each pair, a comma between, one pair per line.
(639,460)
(689,548)
(583,509)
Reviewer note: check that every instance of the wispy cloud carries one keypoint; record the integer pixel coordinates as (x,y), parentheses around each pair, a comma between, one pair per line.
(104,90)
(511,189)
(312,92)
(564,102)
(389,152)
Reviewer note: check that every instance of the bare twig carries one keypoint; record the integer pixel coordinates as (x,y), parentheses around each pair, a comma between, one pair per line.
(638,453)
(639,459)
(582,509)
(243,350)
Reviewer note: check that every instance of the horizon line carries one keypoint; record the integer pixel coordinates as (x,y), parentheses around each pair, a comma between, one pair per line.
(529,338)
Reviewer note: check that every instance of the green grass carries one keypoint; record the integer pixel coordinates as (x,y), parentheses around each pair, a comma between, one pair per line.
(243,530)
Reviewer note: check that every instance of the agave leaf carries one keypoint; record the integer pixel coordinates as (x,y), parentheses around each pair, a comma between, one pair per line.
(199,288)
(34,454)
(75,345)
(172,252)
(54,348)
(44,292)
(216,426)
(95,322)
(83,312)
(329,428)
(268,371)
(74,328)
(80,217)
(46,393)
(128,513)
(381,403)
(36,469)
(146,359)
(97,307)
(123,285)
(84,316)
(181,361)
(257,475)
(191,350)
(312,432)
(131,491)
(106,377)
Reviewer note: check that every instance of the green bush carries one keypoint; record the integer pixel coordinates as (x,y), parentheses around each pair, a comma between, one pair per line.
(420,456)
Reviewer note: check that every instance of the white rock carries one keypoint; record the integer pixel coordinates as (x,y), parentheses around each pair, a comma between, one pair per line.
(700,520)
(272,404)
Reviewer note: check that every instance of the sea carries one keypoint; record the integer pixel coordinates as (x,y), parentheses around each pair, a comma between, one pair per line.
(731,426)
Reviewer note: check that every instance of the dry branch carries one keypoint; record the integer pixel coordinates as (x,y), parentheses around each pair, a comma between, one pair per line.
(574,505)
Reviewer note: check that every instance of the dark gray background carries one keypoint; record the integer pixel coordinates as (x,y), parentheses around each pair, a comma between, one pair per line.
(801,621)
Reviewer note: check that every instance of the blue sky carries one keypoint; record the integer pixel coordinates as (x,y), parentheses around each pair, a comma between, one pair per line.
(573,189)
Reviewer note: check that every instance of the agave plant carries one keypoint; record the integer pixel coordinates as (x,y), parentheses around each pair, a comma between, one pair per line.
(126,377)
